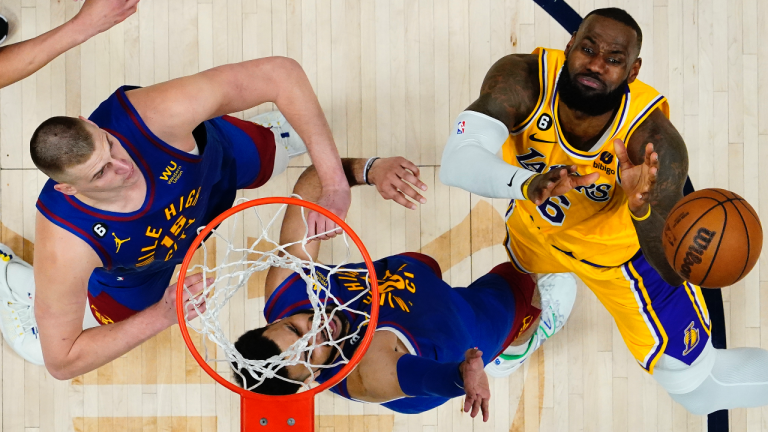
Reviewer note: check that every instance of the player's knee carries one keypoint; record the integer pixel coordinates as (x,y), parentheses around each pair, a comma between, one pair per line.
(698,402)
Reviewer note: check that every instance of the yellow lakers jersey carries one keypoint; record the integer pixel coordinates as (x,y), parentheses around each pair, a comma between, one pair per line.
(590,223)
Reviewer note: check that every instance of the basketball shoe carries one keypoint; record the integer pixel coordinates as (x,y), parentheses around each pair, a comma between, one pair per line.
(284,132)
(3,29)
(17,316)
(558,293)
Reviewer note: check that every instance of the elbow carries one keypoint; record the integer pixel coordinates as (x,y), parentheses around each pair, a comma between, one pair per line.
(449,169)
(59,372)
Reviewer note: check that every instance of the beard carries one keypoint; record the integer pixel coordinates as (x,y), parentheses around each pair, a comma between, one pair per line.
(574,95)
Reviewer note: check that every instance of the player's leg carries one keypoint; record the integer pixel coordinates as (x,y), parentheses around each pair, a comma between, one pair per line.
(284,133)
(727,379)
(557,289)
(17,291)
(667,330)
(557,295)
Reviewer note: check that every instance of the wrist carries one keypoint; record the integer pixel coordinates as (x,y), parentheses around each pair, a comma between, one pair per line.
(367,171)
(526,185)
(640,213)
(78,30)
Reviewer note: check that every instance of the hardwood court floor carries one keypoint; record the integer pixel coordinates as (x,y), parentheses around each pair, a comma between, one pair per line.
(391,76)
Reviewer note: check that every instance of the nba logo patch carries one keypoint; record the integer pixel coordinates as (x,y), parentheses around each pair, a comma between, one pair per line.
(691,338)
(460,128)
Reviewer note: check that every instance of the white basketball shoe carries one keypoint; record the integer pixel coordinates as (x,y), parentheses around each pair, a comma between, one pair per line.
(17,314)
(284,132)
(3,29)
(558,293)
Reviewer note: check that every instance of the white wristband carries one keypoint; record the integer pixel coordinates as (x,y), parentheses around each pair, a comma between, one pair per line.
(470,161)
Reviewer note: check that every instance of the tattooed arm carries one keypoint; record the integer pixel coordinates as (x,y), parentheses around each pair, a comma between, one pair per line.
(508,96)
(654,167)
(510,89)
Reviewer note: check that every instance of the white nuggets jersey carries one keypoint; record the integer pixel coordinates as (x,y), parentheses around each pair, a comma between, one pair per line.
(590,223)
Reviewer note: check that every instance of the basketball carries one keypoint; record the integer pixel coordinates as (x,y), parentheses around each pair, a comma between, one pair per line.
(712,238)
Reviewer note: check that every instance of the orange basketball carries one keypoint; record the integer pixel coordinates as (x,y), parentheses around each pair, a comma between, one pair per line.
(712,238)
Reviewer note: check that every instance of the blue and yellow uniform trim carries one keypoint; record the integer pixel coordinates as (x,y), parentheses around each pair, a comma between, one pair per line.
(588,231)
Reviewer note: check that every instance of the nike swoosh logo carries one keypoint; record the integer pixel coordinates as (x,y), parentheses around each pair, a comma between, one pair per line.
(510,180)
(532,137)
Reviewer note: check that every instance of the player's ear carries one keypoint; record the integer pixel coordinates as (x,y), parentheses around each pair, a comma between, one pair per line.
(634,70)
(66,189)
(87,121)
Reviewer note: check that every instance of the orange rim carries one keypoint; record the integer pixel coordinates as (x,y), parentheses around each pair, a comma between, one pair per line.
(247,394)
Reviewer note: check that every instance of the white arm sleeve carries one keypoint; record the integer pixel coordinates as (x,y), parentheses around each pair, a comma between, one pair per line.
(470,161)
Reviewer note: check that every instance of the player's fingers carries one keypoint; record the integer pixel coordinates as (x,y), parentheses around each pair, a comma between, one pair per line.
(475,407)
(485,406)
(189,281)
(648,151)
(467,403)
(585,180)
(414,180)
(405,163)
(403,201)
(621,153)
(407,189)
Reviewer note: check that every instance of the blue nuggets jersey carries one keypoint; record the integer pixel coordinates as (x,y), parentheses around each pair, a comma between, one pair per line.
(184,192)
(432,319)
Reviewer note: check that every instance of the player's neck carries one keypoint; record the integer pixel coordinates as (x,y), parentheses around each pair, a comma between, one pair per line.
(123,200)
(581,130)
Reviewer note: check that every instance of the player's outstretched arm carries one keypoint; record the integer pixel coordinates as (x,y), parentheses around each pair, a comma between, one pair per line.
(63,265)
(653,169)
(20,60)
(173,109)
(385,374)
(394,178)
(508,95)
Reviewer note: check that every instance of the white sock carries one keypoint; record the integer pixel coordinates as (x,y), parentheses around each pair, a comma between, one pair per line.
(281,157)
(21,279)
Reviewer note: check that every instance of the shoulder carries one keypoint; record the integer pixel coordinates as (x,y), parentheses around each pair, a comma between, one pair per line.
(658,130)
(61,258)
(510,89)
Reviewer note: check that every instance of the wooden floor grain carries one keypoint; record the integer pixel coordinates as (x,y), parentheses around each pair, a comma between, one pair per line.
(391,76)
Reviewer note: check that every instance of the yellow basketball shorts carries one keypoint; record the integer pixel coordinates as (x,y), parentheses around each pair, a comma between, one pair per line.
(653,317)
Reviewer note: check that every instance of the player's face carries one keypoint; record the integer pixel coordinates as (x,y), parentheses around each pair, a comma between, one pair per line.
(600,59)
(110,167)
(289,330)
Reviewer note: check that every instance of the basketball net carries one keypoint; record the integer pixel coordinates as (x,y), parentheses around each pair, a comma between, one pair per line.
(236,265)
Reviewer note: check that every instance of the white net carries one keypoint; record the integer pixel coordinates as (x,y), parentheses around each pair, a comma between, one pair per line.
(234,267)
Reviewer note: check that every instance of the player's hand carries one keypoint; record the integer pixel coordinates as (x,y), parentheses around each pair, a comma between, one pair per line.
(167,305)
(337,200)
(475,384)
(395,178)
(97,16)
(637,180)
(557,182)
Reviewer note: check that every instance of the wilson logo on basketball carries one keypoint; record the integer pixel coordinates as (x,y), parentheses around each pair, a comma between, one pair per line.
(696,250)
